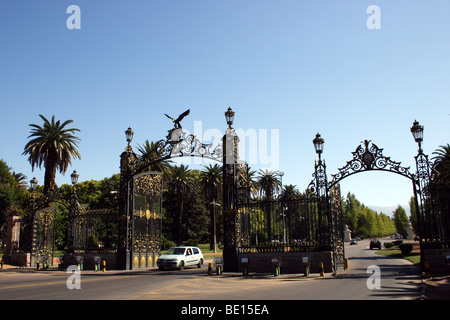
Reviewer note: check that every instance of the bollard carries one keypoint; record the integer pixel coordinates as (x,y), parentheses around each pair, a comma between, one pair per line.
(219,265)
(37,266)
(322,273)
(97,264)
(427,270)
(103,265)
(276,263)
(244,263)
(218,270)
(345,263)
(1,263)
(305,261)
(79,262)
(210,269)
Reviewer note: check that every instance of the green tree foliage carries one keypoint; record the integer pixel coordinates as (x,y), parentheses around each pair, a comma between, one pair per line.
(413,216)
(441,166)
(400,220)
(13,195)
(54,146)
(365,222)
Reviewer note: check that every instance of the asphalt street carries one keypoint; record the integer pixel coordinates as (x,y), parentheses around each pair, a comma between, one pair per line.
(398,279)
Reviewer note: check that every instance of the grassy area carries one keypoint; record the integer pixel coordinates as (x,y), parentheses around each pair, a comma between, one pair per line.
(395,252)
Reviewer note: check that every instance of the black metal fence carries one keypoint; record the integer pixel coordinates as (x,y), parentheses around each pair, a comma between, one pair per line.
(93,231)
(282,226)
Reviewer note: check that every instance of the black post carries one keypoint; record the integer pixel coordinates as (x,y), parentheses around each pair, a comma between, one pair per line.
(127,164)
(230,157)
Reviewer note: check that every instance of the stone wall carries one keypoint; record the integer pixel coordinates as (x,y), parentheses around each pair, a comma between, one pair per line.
(291,262)
(437,260)
(18,259)
(88,260)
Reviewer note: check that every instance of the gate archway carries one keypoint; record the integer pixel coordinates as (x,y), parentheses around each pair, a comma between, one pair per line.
(133,240)
(369,157)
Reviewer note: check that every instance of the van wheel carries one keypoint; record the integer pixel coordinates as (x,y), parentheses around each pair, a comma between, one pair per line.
(181,267)
(200,263)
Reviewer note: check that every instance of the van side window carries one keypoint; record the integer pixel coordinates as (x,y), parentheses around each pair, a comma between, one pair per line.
(195,251)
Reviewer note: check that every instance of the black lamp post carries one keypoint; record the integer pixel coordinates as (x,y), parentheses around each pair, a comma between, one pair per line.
(74,177)
(33,183)
(318,145)
(229,116)
(129,135)
(417,132)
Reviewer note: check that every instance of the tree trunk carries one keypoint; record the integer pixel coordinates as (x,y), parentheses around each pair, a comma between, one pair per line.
(180,216)
(50,174)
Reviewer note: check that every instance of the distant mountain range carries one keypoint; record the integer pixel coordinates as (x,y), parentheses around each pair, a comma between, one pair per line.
(390,210)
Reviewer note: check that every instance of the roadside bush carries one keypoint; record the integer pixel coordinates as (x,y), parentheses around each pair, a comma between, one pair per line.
(192,242)
(388,245)
(166,244)
(405,248)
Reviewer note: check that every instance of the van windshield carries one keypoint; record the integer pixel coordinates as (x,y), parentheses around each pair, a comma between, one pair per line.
(176,251)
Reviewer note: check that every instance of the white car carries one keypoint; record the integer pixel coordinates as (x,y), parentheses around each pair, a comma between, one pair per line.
(181,257)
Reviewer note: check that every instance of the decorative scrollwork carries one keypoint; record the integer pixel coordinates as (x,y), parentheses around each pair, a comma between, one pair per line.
(179,143)
(369,157)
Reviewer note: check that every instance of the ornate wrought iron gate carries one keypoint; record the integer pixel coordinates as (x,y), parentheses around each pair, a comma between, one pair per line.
(43,237)
(337,228)
(146,219)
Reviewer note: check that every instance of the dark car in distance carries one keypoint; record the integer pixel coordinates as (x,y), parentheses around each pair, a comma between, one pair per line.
(375,244)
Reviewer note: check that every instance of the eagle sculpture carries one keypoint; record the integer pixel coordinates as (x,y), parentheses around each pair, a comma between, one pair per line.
(176,122)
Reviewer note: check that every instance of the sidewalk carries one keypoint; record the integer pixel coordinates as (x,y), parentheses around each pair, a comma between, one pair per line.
(437,288)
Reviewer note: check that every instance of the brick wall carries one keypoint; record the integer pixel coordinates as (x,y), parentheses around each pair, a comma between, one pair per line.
(291,262)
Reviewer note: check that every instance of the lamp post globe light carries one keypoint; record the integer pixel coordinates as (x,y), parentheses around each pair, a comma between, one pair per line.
(318,144)
(33,183)
(74,177)
(229,116)
(129,135)
(417,132)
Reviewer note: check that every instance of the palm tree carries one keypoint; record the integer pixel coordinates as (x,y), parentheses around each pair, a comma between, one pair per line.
(441,165)
(289,193)
(254,188)
(211,183)
(20,179)
(441,177)
(181,184)
(268,182)
(53,145)
(150,153)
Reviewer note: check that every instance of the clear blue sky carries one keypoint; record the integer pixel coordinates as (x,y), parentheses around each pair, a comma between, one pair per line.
(296,67)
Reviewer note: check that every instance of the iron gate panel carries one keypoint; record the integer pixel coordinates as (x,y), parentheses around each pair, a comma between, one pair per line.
(279,226)
(337,228)
(147,218)
(43,237)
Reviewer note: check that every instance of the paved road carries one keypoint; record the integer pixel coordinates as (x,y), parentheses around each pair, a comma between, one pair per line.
(399,280)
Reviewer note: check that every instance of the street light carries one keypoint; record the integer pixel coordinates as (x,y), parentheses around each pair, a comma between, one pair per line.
(229,116)
(417,132)
(74,177)
(33,183)
(214,203)
(318,144)
(129,135)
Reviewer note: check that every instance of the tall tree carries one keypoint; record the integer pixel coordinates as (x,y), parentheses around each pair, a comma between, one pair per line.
(441,165)
(149,152)
(400,220)
(53,145)
(181,184)
(268,182)
(210,181)
(289,192)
